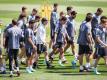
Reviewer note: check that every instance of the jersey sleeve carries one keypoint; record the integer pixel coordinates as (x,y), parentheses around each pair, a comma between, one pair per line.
(97,34)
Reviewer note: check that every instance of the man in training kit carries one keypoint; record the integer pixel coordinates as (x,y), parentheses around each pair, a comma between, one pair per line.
(100,42)
(53,22)
(71,33)
(60,35)
(85,42)
(30,46)
(41,41)
(32,16)
(94,23)
(14,35)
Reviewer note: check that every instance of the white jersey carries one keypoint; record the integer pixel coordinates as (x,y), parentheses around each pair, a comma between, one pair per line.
(41,34)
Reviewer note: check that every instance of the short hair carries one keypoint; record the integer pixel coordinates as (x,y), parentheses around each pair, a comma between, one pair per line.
(31,21)
(73,13)
(21,16)
(55,4)
(43,20)
(35,10)
(88,17)
(63,18)
(99,10)
(23,8)
(103,19)
(61,13)
(37,17)
(68,8)
(88,14)
(14,21)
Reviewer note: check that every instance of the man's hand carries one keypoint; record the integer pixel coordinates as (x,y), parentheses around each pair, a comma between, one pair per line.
(34,47)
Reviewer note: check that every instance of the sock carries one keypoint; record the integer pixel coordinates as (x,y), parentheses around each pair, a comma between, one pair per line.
(50,50)
(17,68)
(95,69)
(81,67)
(11,72)
(87,65)
(30,67)
(60,61)
(76,57)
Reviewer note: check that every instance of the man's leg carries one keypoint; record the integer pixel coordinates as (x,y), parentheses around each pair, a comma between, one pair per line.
(61,56)
(10,55)
(81,62)
(16,61)
(95,65)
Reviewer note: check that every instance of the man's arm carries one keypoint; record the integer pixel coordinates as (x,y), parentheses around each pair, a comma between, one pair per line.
(100,42)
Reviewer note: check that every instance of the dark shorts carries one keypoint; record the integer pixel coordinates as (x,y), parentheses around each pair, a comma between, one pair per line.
(41,48)
(29,52)
(59,45)
(70,41)
(85,49)
(101,52)
(13,52)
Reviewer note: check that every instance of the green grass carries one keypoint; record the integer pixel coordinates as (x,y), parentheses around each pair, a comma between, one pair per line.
(58,73)
(94,3)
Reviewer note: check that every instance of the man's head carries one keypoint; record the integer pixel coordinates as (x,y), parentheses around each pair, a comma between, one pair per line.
(63,20)
(55,6)
(24,9)
(31,23)
(99,11)
(73,14)
(62,14)
(34,11)
(44,21)
(89,17)
(69,9)
(104,21)
(37,18)
(21,16)
(14,22)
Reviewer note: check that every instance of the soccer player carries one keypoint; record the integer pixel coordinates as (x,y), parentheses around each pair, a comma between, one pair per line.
(85,42)
(41,41)
(24,11)
(36,25)
(100,42)
(14,35)
(51,56)
(96,19)
(30,46)
(69,10)
(53,21)
(71,33)
(22,25)
(94,23)
(32,16)
(60,35)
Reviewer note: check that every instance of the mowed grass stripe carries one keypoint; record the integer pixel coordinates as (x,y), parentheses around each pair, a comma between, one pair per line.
(79,9)
(84,3)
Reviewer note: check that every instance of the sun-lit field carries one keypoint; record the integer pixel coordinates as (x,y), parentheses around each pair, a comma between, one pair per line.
(10,9)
